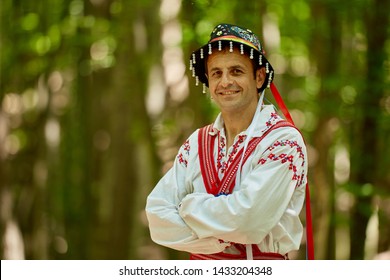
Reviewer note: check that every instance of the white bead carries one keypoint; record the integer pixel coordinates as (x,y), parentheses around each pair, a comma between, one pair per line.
(270,78)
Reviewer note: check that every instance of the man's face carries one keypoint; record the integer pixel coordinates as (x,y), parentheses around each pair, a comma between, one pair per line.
(232,82)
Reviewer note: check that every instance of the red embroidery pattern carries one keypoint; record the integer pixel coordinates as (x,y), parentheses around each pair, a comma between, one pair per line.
(183,158)
(273,119)
(221,164)
(284,158)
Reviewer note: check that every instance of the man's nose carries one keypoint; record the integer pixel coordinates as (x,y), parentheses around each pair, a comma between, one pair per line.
(226,80)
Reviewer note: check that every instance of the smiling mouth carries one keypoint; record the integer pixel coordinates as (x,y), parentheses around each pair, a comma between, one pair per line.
(230,92)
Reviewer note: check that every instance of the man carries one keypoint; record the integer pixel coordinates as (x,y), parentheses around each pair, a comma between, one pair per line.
(237,186)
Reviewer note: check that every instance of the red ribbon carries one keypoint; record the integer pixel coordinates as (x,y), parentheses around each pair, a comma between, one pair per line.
(309,225)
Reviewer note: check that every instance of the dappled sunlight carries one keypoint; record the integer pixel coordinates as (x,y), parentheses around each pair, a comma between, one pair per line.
(371,244)
(52,133)
(386,104)
(60,244)
(169,9)
(271,33)
(341,165)
(348,95)
(171,34)
(299,118)
(300,65)
(12,104)
(12,144)
(280,63)
(13,242)
(155,97)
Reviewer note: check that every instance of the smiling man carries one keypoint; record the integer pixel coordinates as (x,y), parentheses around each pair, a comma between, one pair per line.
(233,86)
(237,186)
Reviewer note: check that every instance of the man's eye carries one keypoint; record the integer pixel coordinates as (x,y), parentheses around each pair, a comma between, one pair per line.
(236,71)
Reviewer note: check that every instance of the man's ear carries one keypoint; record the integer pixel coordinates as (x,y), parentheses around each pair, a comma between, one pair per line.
(260,77)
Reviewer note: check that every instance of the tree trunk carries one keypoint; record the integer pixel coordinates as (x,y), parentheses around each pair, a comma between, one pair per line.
(326,35)
(132,142)
(367,156)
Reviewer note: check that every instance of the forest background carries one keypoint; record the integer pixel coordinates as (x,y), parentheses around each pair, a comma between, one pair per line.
(96,98)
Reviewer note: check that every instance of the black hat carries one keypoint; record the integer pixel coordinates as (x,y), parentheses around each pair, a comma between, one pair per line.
(230,35)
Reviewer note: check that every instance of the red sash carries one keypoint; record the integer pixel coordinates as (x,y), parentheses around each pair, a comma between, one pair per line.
(211,180)
(216,186)
(241,255)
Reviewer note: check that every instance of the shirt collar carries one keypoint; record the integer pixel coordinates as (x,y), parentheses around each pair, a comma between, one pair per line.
(268,117)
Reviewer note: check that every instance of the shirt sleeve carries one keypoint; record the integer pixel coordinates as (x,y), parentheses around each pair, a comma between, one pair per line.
(247,215)
(166,226)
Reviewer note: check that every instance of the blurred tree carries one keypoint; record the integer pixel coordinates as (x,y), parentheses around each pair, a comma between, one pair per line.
(139,48)
(326,35)
(367,147)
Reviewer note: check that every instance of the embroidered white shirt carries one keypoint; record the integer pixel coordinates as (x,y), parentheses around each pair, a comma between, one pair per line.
(264,209)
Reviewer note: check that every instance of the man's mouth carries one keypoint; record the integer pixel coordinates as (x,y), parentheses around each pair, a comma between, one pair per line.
(228,92)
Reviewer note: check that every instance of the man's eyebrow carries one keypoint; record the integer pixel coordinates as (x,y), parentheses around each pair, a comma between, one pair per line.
(236,66)
(215,69)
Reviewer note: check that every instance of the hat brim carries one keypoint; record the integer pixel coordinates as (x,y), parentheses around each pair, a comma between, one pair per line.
(198,60)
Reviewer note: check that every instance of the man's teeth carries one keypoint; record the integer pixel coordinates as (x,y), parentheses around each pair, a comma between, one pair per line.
(228,92)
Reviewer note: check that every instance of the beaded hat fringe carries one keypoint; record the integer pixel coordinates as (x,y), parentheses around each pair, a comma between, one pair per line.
(244,50)
(230,36)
